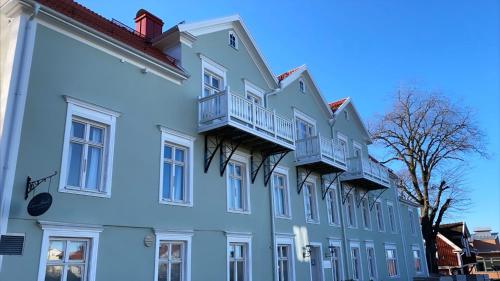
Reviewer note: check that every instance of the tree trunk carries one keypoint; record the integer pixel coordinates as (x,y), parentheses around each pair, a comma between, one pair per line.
(430,246)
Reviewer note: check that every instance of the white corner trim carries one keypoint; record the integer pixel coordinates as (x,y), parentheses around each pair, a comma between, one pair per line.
(185,237)
(91,106)
(54,229)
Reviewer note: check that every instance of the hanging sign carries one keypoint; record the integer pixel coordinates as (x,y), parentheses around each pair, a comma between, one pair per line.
(39,204)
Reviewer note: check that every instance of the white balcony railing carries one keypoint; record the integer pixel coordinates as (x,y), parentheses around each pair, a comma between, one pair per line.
(319,148)
(226,107)
(368,169)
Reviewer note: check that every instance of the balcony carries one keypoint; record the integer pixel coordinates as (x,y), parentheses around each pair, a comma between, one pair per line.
(366,173)
(232,116)
(320,154)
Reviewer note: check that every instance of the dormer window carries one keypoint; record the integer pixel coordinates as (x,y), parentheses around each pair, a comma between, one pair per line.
(302,86)
(233,40)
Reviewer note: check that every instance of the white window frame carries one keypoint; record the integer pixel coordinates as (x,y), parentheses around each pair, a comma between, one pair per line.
(357,145)
(80,109)
(213,67)
(345,139)
(417,248)
(289,241)
(187,141)
(236,44)
(173,236)
(251,88)
(303,88)
(337,243)
(245,160)
(66,230)
(244,238)
(333,189)
(392,219)
(297,114)
(371,245)
(355,219)
(391,246)
(355,244)
(282,171)
(381,216)
(312,180)
(369,227)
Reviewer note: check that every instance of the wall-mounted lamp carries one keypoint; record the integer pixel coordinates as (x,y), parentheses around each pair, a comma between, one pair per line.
(306,251)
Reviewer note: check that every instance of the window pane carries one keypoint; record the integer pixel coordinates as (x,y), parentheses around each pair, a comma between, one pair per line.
(93,178)
(215,83)
(56,250)
(231,271)
(75,164)
(179,183)
(53,273)
(176,272)
(163,251)
(238,251)
(176,251)
(74,273)
(230,193)
(162,272)
(179,155)
(206,78)
(76,250)
(285,270)
(96,134)
(167,170)
(167,152)
(77,130)
(241,271)
(237,170)
(238,195)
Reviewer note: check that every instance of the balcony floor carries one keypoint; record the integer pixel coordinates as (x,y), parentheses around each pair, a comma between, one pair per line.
(363,182)
(321,166)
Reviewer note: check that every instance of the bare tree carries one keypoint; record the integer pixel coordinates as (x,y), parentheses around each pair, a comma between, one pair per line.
(431,137)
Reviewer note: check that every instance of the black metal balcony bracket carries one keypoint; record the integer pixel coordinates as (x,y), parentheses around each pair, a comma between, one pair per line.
(272,162)
(326,187)
(32,184)
(377,197)
(344,197)
(212,144)
(267,160)
(300,183)
(362,197)
(227,150)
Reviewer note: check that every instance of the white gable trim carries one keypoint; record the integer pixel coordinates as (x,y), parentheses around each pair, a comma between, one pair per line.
(236,23)
(448,241)
(343,106)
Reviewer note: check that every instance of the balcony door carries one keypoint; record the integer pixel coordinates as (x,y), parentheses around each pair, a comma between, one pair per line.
(304,129)
(316,263)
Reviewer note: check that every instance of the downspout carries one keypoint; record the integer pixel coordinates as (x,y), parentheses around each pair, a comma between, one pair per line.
(14,113)
(331,122)
(273,232)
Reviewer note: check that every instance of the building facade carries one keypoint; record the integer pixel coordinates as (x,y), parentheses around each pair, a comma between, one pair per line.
(487,246)
(181,156)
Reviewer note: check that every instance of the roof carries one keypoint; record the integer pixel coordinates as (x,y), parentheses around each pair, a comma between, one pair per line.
(487,245)
(108,27)
(334,105)
(285,75)
(455,231)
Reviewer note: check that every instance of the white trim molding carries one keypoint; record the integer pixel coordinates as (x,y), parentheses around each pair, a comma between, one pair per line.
(66,230)
(286,239)
(174,236)
(244,238)
(297,113)
(288,206)
(95,113)
(187,141)
(244,159)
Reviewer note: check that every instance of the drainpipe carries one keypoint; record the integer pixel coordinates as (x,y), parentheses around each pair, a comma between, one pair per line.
(273,231)
(331,122)
(14,112)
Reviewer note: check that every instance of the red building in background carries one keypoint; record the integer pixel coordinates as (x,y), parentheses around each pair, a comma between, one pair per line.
(456,254)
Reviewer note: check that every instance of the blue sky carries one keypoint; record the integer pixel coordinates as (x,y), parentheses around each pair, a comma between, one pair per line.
(366,49)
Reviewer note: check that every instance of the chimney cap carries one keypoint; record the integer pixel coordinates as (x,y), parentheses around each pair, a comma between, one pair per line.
(144,13)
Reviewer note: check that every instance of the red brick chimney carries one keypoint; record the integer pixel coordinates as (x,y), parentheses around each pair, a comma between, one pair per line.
(147,24)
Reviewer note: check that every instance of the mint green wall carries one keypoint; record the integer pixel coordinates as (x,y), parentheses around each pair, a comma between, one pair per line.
(64,66)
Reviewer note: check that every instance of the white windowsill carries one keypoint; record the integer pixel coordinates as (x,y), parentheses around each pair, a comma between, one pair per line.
(239,212)
(180,204)
(84,192)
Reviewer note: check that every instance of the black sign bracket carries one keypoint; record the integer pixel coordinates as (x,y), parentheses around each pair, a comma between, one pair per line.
(32,184)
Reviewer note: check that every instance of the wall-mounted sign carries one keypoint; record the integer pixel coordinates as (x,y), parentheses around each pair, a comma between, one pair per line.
(148,240)
(39,204)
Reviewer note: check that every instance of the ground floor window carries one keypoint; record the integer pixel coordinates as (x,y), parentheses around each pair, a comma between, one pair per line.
(173,256)
(391,260)
(239,257)
(283,262)
(417,259)
(372,263)
(336,260)
(356,262)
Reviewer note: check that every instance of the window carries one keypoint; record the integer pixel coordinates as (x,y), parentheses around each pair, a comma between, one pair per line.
(281,193)
(214,77)
(336,260)
(342,140)
(391,260)
(88,149)
(69,252)
(176,171)
(173,256)
(310,203)
(239,257)
(304,124)
(237,185)
(372,263)
(254,93)
(356,262)
(331,204)
(366,213)
(392,217)
(412,221)
(351,213)
(302,86)
(283,262)
(417,258)
(233,40)
(380,216)
(346,115)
